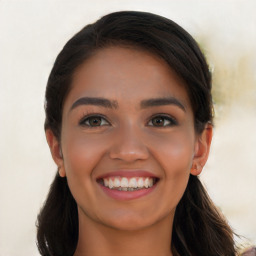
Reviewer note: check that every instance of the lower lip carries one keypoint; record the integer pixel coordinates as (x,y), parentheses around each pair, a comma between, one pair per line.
(127,195)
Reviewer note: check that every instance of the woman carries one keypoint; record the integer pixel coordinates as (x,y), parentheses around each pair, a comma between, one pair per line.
(129,125)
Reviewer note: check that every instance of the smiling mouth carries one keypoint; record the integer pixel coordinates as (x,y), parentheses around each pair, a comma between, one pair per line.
(127,184)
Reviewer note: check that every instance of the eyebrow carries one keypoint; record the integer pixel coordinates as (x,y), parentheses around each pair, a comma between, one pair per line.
(94,101)
(112,104)
(162,102)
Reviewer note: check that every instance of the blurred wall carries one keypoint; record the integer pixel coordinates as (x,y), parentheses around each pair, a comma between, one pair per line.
(33,32)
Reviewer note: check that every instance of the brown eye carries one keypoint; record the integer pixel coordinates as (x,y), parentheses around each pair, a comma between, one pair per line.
(158,121)
(162,121)
(94,121)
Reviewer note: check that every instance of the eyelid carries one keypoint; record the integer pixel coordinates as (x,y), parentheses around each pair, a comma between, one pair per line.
(173,121)
(87,116)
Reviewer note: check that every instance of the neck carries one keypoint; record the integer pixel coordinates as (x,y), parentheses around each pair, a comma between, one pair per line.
(97,239)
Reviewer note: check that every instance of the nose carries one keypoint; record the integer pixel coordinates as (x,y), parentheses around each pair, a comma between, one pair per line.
(128,145)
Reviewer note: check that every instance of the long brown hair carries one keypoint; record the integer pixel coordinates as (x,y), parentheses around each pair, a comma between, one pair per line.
(199,228)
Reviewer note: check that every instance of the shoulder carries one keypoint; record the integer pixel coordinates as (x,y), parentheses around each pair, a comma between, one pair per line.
(249,252)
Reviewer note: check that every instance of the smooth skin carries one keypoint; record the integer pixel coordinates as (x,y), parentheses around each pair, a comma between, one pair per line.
(128,132)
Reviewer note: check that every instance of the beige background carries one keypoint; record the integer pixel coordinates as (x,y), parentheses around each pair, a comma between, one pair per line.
(33,32)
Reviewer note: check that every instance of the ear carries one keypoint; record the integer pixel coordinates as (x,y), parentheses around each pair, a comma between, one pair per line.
(55,148)
(202,149)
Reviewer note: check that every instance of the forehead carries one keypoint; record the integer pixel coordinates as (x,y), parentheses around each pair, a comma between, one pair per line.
(126,75)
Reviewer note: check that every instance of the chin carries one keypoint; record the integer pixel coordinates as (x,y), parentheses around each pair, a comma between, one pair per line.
(130,224)
(133,221)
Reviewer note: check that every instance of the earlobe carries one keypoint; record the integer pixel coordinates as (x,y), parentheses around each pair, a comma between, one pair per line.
(202,149)
(61,172)
(196,169)
(56,152)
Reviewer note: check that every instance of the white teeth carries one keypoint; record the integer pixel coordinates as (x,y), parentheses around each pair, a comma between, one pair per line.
(124,183)
(111,183)
(146,182)
(128,184)
(105,182)
(133,183)
(140,183)
(116,183)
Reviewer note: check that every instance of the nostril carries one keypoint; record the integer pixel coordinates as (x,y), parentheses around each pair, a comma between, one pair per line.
(128,146)
(129,155)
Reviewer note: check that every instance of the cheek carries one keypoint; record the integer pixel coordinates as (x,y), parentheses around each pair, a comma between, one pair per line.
(174,152)
(82,152)
(174,155)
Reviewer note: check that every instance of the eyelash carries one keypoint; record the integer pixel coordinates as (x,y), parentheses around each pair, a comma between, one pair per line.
(172,121)
(86,119)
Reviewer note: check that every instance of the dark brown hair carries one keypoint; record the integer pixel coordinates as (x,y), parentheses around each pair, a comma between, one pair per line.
(199,228)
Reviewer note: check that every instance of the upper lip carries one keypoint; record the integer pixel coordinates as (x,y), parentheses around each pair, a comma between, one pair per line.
(128,174)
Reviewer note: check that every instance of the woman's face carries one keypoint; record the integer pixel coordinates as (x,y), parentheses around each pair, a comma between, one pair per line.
(128,139)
